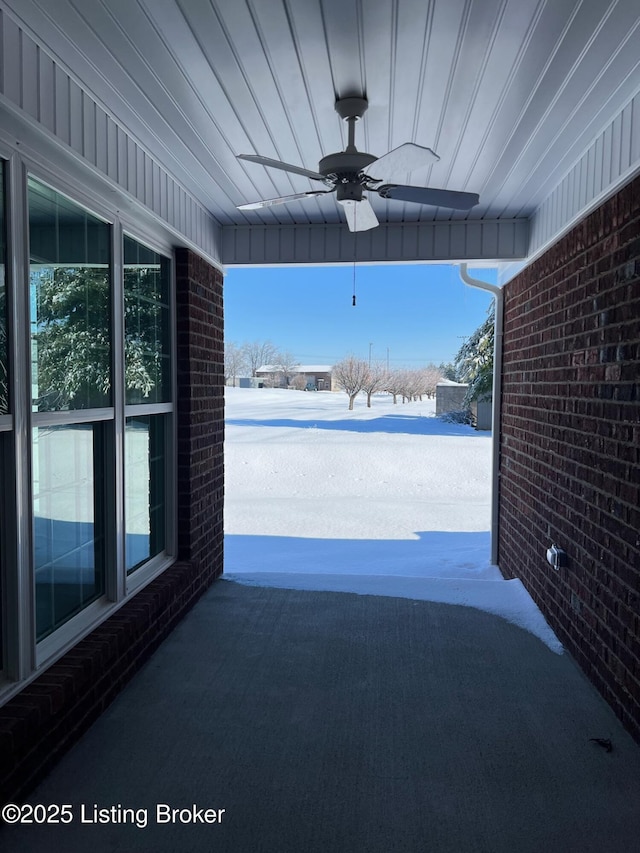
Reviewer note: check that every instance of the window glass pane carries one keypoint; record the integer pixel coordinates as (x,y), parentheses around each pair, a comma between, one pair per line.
(3,525)
(70,303)
(68,521)
(4,380)
(144,488)
(4,372)
(146,325)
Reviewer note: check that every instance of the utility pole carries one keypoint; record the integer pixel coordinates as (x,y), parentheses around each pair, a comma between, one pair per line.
(370,345)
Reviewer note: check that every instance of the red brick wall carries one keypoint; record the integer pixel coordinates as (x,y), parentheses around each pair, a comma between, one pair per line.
(47,717)
(570,447)
(200,412)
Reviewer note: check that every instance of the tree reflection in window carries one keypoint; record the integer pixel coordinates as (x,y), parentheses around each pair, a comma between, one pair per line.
(146,325)
(71,338)
(72,355)
(71,310)
(70,295)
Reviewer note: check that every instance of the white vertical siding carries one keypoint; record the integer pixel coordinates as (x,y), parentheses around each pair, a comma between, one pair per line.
(89,144)
(44,109)
(61,104)
(403,242)
(11,60)
(76,124)
(32,82)
(634,130)
(123,163)
(610,161)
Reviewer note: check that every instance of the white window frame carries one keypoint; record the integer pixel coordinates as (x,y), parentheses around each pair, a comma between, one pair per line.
(156,565)
(24,658)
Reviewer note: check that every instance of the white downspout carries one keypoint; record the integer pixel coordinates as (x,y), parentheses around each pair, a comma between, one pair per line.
(497,393)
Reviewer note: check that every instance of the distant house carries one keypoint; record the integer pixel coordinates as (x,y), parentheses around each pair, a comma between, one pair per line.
(310,377)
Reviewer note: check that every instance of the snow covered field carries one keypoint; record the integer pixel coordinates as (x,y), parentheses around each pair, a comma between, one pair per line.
(389,500)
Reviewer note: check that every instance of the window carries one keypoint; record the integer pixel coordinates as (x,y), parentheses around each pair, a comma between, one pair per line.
(4,344)
(146,325)
(4,390)
(87,437)
(147,351)
(70,307)
(70,304)
(68,529)
(144,489)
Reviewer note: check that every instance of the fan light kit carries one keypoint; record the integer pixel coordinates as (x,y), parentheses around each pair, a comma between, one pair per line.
(350,173)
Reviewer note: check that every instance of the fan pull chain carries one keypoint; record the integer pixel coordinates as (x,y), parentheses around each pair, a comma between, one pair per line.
(355,246)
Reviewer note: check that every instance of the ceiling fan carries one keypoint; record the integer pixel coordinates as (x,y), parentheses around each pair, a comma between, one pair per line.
(350,173)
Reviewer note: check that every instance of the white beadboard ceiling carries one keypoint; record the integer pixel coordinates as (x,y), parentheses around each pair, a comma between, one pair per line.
(509,93)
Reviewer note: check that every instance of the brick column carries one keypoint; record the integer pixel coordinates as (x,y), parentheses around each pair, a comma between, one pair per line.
(200,414)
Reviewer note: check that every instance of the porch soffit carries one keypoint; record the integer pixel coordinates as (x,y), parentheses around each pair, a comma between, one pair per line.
(513,95)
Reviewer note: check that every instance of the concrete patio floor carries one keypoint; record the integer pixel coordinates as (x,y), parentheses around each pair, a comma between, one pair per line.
(356,724)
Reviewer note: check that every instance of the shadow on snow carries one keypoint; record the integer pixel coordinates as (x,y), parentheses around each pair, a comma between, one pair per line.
(399,424)
(434,554)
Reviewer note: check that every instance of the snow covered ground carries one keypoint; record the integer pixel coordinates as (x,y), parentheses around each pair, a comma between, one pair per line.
(388,500)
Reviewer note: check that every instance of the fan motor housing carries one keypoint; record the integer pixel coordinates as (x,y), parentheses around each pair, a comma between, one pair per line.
(345,163)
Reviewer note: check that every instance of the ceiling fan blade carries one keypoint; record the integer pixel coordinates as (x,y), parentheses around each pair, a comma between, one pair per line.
(359,214)
(427,195)
(277,164)
(401,160)
(270,202)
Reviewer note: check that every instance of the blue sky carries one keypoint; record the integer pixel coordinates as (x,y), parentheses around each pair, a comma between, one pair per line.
(420,313)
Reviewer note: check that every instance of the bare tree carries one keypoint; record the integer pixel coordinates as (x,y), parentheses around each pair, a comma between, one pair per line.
(375,380)
(394,383)
(350,374)
(259,353)
(298,382)
(409,385)
(287,366)
(272,379)
(235,362)
(412,384)
(432,375)
(416,384)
